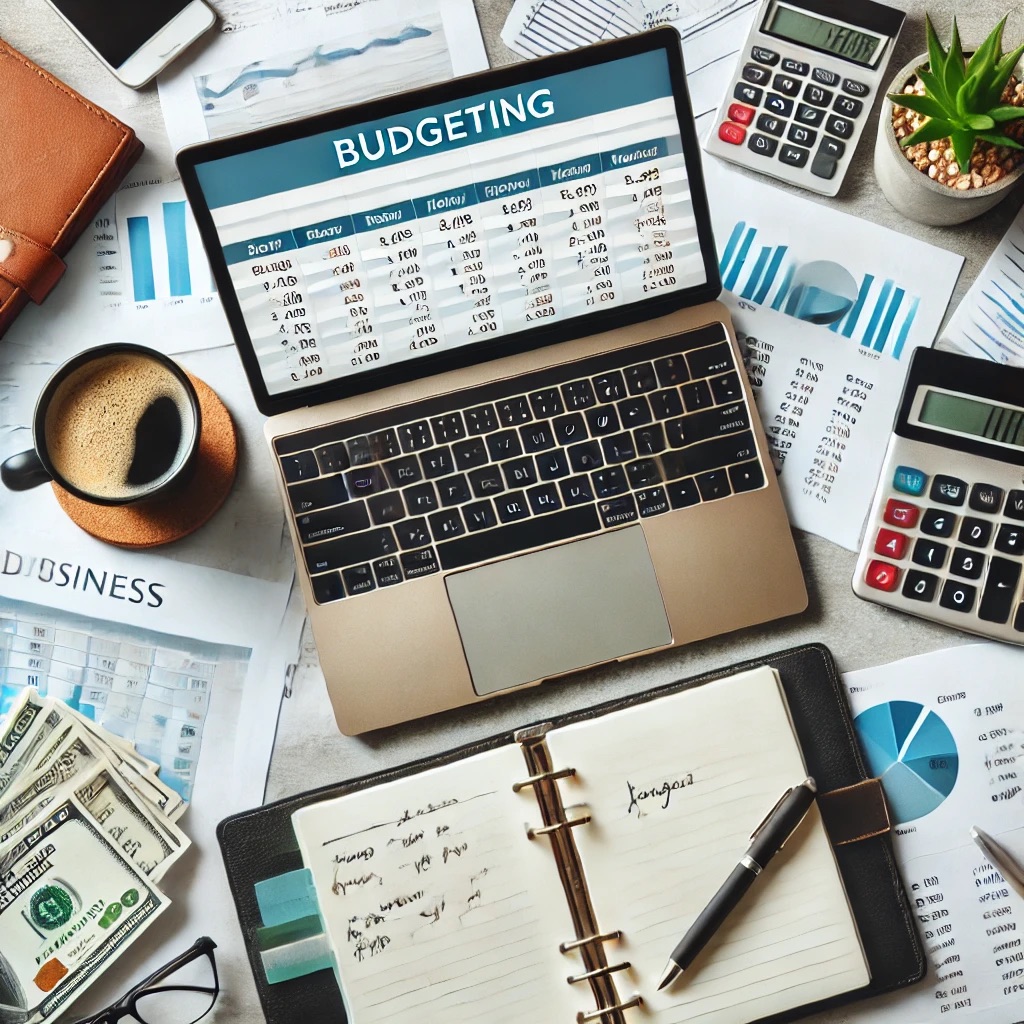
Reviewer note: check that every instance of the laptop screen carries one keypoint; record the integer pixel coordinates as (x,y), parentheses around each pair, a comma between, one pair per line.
(450,227)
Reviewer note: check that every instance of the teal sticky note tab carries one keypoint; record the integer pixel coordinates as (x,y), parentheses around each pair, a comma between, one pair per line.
(289,933)
(286,897)
(296,960)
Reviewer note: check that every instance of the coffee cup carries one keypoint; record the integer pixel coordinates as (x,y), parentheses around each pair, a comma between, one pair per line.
(116,425)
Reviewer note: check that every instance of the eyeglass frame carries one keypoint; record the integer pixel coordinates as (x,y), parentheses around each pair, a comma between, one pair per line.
(125,1006)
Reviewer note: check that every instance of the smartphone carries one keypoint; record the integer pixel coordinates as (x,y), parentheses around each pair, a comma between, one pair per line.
(136,39)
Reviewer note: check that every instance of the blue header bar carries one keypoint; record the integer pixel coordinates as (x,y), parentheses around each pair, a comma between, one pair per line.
(490,115)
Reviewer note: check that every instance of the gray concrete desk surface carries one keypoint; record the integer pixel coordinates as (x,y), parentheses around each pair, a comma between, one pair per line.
(309,750)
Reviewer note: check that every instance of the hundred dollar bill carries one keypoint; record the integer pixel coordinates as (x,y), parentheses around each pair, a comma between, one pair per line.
(149,840)
(69,902)
(29,722)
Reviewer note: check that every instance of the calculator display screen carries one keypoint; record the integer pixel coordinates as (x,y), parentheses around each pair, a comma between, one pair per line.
(844,41)
(973,416)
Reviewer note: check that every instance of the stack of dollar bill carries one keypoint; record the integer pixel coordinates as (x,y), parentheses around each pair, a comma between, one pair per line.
(87,830)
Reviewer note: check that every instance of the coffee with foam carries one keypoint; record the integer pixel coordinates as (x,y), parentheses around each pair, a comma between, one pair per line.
(119,426)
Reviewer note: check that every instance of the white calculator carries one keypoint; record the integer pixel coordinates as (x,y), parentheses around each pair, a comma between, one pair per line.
(803,88)
(945,537)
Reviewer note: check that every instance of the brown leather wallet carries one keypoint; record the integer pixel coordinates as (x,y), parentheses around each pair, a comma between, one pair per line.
(60,161)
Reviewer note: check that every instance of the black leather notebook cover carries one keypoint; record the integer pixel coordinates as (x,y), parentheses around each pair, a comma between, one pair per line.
(260,843)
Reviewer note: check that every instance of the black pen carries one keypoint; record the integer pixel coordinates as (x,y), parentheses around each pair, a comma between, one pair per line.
(767,839)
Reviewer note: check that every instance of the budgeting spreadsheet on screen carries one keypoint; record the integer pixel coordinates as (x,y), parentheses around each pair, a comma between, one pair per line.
(439,227)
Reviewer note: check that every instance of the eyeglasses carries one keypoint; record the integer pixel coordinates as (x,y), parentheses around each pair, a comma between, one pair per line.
(180,992)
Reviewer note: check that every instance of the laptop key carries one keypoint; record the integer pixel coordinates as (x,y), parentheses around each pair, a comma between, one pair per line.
(384,508)
(570,429)
(384,445)
(610,387)
(726,388)
(453,490)
(387,571)
(519,472)
(513,411)
(358,579)
(696,396)
(479,516)
(414,437)
(683,493)
(447,524)
(552,465)
(649,440)
(359,453)
(577,490)
(609,482)
(652,502)
(419,563)
(437,462)
(546,403)
(486,481)
(333,458)
(314,494)
(643,473)
(470,453)
(420,499)
(667,403)
(344,551)
(300,466)
(412,533)
(603,420)
(586,456)
(713,485)
(618,447)
(533,532)
(635,412)
(365,480)
(618,511)
(578,394)
(711,360)
(481,420)
(348,518)
(748,476)
(504,445)
(544,498)
(671,371)
(403,471)
(328,588)
(640,378)
(537,437)
(512,507)
(448,428)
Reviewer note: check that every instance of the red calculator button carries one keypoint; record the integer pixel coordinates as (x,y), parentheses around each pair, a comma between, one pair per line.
(734,133)
(891,543)
(901,513)
(882,575)
(741,114)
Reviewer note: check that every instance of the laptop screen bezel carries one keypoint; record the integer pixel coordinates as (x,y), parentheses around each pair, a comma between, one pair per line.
(188,160)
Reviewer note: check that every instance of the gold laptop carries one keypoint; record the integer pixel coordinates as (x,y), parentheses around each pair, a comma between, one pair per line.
(512,427)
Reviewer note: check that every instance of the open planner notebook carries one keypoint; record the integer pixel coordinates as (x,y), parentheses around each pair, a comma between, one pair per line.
(439,907)
(546,875)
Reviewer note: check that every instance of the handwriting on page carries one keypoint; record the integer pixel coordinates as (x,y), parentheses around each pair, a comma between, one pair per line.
(640,800)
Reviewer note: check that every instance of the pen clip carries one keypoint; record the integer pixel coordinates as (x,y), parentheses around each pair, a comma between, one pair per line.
(771,814)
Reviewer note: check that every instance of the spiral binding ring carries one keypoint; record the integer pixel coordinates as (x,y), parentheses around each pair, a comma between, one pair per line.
(582,1018)
(599,972)
(532,833)
(565,947)
(561,773)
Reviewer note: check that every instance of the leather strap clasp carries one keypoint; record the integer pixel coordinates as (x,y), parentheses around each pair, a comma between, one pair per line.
(28,265)
(855,812)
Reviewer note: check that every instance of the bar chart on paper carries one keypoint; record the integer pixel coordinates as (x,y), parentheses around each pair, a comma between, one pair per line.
(162,256)
(873,310)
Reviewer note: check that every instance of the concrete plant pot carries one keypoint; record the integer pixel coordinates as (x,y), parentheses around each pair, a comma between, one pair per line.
(912,192)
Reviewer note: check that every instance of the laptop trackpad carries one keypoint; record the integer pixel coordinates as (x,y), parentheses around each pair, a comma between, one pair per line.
(560,609)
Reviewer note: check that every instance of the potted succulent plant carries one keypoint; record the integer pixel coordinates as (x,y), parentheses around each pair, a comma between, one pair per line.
(950,140)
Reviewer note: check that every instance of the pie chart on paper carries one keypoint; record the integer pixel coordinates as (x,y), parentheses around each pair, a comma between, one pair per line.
(910,748)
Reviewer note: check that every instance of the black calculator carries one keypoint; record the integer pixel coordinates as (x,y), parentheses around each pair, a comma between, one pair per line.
(945,536)
(804,84)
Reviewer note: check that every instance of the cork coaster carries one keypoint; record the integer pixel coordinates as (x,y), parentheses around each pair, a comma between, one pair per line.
(182,513)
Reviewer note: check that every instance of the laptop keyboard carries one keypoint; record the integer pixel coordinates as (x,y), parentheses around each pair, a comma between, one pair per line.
(518,464)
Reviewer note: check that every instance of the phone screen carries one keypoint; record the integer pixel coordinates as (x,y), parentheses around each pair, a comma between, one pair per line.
(117,28)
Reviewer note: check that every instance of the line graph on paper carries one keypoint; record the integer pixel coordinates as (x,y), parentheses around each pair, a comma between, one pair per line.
(872,310)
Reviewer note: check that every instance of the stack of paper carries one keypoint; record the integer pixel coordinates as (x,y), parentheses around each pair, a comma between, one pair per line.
(86,831)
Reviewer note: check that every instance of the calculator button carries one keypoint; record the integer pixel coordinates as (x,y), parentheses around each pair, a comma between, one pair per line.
(1000,586)
(801,136)
(909,480)
(755,75)
(823,165)
(825,76)
(832,147)
(839,126)
(794,67)
(901,513)
(786,85)
(929,553)
(985,498)
(794,156)
(762,144)
(920,586)
(966,563)
(958,597)
(763,55)
(770,124)
(847,107)
(855,88)
(1010,539)
(748,94)
(948,490)
(890,543)
(778,104)
(740,114)
(938,523)
(976,532)
(807,114)
(882,575)
(816,96)
(1014,508)
(734,133)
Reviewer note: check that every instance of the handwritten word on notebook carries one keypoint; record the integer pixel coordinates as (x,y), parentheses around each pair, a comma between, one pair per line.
(439,906)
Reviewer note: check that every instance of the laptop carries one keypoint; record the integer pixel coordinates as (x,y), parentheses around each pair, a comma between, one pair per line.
(513,432)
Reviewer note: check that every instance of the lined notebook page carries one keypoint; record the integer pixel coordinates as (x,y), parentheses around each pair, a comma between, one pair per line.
(675,787)
(437,905)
